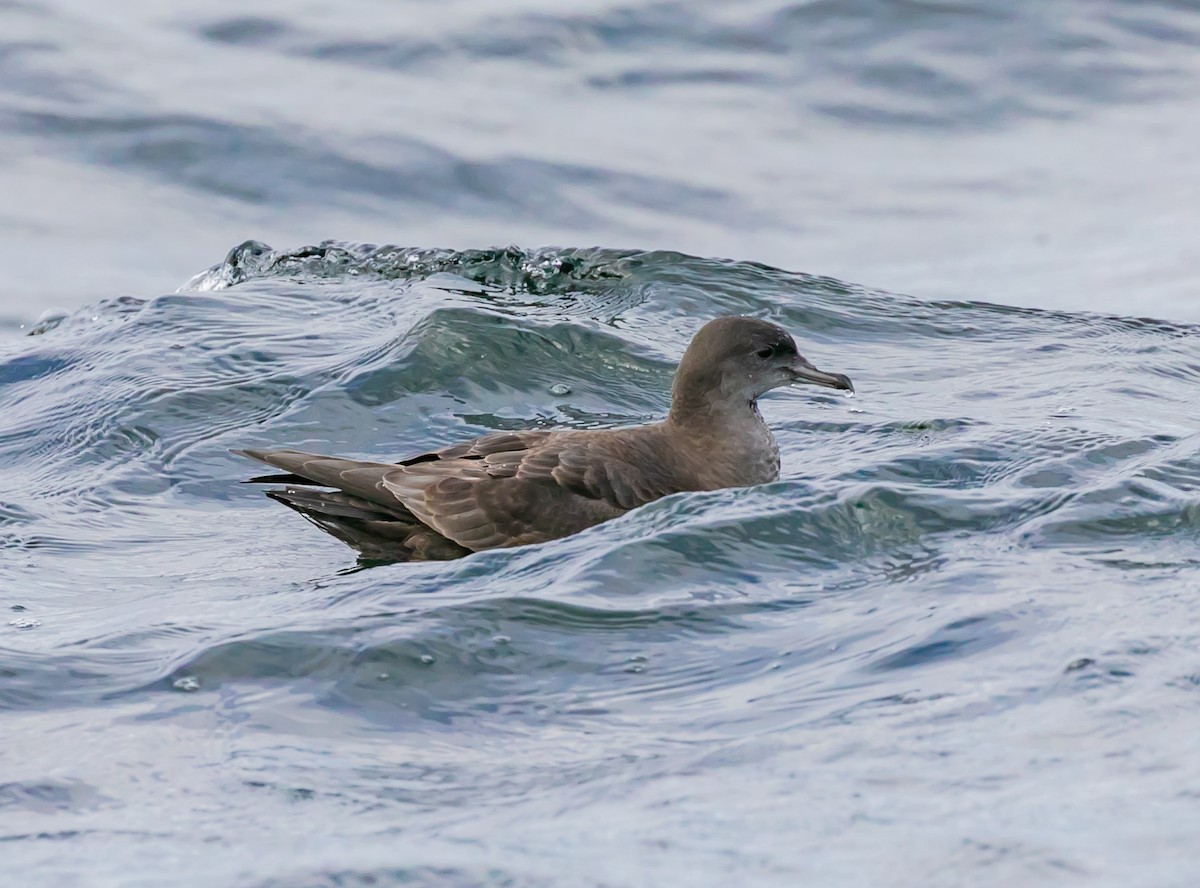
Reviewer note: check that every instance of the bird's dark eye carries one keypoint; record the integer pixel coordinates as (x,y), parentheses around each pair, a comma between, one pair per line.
(765,353)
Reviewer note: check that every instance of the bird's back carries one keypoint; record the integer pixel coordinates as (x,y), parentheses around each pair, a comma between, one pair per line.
(505,489)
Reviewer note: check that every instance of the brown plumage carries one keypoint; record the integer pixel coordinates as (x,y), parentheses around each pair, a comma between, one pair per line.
(518,488)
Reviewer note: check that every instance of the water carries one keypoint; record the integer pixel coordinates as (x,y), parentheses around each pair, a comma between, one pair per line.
(1032,152)
(955,644)
(959,637)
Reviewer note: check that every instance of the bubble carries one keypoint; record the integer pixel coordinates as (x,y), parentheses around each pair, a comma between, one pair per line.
(25,623)
(560,389)
(186,684)
(501,639)
(427,659)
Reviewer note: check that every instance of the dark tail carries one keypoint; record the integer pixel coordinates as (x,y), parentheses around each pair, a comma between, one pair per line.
(355,476)
(360,512)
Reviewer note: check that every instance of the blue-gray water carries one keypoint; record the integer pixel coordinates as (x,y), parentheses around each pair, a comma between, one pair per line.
(956,644)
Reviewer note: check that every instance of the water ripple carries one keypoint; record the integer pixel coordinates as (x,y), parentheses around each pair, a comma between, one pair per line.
(941,559)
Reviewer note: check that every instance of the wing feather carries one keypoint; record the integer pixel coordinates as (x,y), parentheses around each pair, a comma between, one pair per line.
(507,489)
(520,488)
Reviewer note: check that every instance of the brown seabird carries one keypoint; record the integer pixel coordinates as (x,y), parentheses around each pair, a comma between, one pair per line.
(518,488)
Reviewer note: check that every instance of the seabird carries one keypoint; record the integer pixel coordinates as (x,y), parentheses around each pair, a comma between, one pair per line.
(520,488)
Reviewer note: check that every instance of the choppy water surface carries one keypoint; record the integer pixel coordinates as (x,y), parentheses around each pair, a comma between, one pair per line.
(1030,152)
(956,644)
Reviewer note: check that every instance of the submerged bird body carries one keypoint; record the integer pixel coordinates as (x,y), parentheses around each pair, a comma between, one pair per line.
(519,488)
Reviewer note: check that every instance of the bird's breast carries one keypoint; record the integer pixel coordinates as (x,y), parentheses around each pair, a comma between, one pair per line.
(738,454)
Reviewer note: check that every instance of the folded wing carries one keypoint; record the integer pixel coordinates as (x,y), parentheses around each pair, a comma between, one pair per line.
(507,489)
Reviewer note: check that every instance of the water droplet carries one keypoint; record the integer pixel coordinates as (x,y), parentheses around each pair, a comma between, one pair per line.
(560,389)
(857,410)
(383,676)
(427,659)
(25,623)
(187,684)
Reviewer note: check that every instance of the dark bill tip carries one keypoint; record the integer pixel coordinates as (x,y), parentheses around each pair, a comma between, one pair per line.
(842,381)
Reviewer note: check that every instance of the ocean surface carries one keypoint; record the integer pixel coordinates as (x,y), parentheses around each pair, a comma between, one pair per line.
(958,643)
